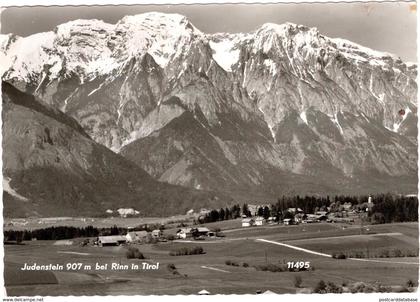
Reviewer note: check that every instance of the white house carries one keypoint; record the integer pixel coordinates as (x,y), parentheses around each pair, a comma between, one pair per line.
(124,212)
(247,222)
(287,221)
(294,210)
(271,220)
(259,220)
(184,233)
(136,236)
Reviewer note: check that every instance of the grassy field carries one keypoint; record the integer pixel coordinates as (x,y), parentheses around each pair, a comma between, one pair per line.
(38,223)
(209,271)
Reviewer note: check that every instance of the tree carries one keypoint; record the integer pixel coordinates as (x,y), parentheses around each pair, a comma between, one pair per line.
(228,215)
(245,210)
(222,214)
(266,212)
(288,215)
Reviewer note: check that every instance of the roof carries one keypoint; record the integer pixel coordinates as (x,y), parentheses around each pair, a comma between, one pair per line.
(294,210)
(259,218)
(287,219)
(156,231)
(268,292)
(185,230)
(109,239)
(203,230)
(246,220)
(203,292)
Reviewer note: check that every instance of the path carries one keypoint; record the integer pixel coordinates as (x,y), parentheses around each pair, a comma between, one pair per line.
(214,269)
(330,256)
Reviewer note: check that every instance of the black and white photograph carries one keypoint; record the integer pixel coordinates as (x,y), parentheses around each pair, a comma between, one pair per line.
(210,149)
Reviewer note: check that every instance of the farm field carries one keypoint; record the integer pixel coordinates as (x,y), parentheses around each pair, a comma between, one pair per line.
(209,271)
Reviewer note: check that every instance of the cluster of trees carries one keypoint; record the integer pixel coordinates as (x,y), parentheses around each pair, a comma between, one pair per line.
(390,208)
(60,233)
(51,233)
(223,214)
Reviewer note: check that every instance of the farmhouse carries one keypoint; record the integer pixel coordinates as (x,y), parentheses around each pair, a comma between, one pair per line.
(247,222)
(294,210)
(259,220)
(347,206)
(201,231)
(124,212)
(271,220)
(138,236)
(287,221)
(111,240)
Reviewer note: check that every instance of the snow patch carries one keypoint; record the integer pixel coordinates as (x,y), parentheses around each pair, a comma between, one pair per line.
(225,53)
(271,65)
(96,89)
(334,119)
(10,190)
(303,117)
(270,126)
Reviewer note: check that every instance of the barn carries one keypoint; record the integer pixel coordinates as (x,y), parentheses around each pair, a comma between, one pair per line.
(184,233)
(259,220)
(247,222)
(138,236)
(111,240)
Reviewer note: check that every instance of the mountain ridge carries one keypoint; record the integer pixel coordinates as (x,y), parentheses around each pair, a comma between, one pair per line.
(282,101)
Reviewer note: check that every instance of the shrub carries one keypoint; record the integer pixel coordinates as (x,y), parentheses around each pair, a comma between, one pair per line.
(361,287)
(134,253)
(270,268)
(170,237)
(332,288)
(397,253)
(197,250)
(232,263)
(384,254)
(410,283)
(320,287)
(298,281)
(172,268)
(245,264)
(339,255)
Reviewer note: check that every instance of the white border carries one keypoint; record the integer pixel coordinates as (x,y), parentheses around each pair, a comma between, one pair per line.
(402,297)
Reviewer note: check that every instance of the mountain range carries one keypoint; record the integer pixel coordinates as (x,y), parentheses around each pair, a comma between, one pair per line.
(247,116)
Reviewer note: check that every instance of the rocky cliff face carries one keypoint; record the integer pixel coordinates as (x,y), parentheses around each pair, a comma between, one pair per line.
(280,110)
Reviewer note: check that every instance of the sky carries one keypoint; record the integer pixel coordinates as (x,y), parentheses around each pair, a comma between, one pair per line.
(384,26)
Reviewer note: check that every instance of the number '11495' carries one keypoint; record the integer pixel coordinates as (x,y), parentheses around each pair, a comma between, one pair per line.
(298,264)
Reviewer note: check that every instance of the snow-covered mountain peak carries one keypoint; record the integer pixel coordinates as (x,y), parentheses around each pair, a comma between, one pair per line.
(159,22)
(84,26)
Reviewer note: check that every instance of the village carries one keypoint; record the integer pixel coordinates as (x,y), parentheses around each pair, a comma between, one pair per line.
(217,247)
(255,216)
